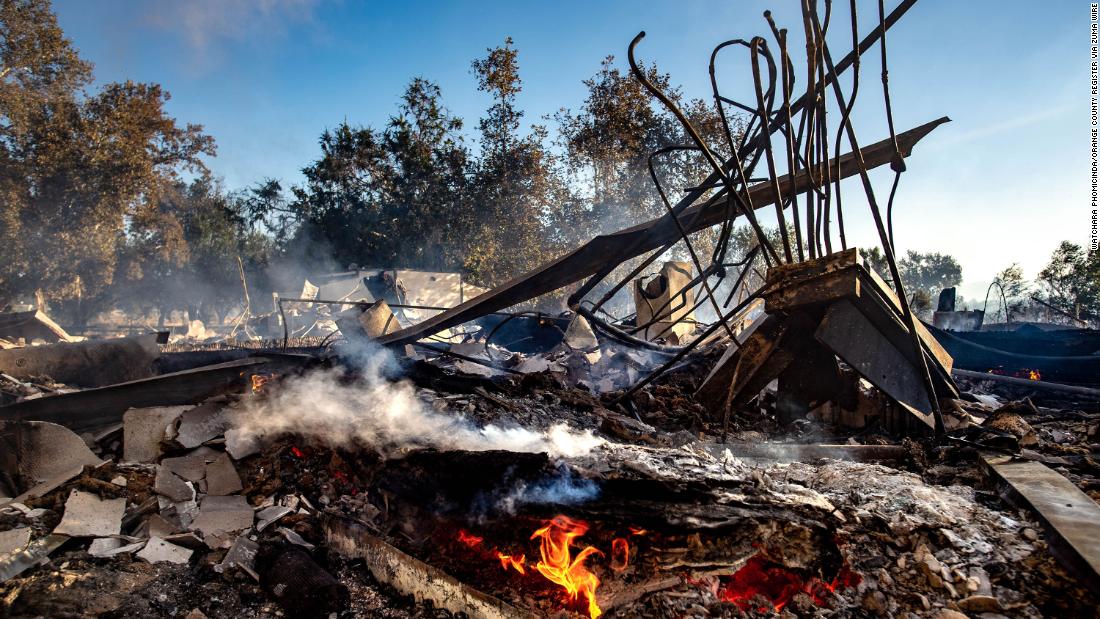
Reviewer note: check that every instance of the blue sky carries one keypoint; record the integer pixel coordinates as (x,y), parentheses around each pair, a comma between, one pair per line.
(1004,182)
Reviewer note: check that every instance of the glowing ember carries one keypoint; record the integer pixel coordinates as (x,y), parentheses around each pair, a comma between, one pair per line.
(638,531)
(778,584)
(560,567)
(298,453)
(620,554)
(469,540)
(1027,373)
(507,561)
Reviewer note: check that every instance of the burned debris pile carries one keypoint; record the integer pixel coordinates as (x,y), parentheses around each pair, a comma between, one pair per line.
(773,433)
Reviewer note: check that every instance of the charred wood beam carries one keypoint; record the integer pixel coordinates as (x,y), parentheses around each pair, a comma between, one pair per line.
(631,242)
(170,362)
(93,363)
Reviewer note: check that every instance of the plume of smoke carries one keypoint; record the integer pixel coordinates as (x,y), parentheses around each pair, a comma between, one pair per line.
(369,408)
(562,488)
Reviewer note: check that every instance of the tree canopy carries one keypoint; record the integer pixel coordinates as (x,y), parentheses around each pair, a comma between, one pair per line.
(106,199)
(79,166)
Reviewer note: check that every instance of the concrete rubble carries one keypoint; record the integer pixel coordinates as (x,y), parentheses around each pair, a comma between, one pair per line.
(87,515)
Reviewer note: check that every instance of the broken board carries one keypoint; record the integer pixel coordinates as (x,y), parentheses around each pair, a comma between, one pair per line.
(1071,518)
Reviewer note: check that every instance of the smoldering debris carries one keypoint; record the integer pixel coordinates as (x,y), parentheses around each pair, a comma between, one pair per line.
(769,433)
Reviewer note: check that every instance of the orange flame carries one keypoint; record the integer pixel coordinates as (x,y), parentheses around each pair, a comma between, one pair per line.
(507,561)
(620,554)
(469,540)
(259,380)
(559,567)
(1034,375)
(638,531)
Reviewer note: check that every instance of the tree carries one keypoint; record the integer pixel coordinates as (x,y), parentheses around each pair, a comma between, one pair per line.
(1071,281)
(1010,282)
(389,197)
(925,275)
(183,254)
(76,166)
(609,141)
(431,165)
(929,272)
(268,210)
(515,180)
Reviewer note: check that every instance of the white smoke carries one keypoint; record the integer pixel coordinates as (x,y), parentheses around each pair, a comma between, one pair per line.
(386,414)
(562,488)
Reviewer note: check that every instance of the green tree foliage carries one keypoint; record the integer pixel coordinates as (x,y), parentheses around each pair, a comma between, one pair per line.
(875,259)
(183,253)
(383,197)
(411,194)
(609,141)
(76,165)
(929,273)
(516,183)
(1071,281)
(266,207)
(924,275)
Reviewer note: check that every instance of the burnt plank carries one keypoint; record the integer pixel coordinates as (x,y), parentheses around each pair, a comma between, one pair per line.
(1070,518)
(748,369)
(93,363)
(411,576)
(823,288)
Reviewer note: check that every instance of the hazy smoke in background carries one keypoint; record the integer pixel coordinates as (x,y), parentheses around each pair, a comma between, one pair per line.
(387,415)
(301,261)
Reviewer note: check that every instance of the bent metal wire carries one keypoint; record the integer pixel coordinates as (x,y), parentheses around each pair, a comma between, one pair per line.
(799,129)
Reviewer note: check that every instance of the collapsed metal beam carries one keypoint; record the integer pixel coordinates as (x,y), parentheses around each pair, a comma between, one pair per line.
(82,410)
(631,242)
